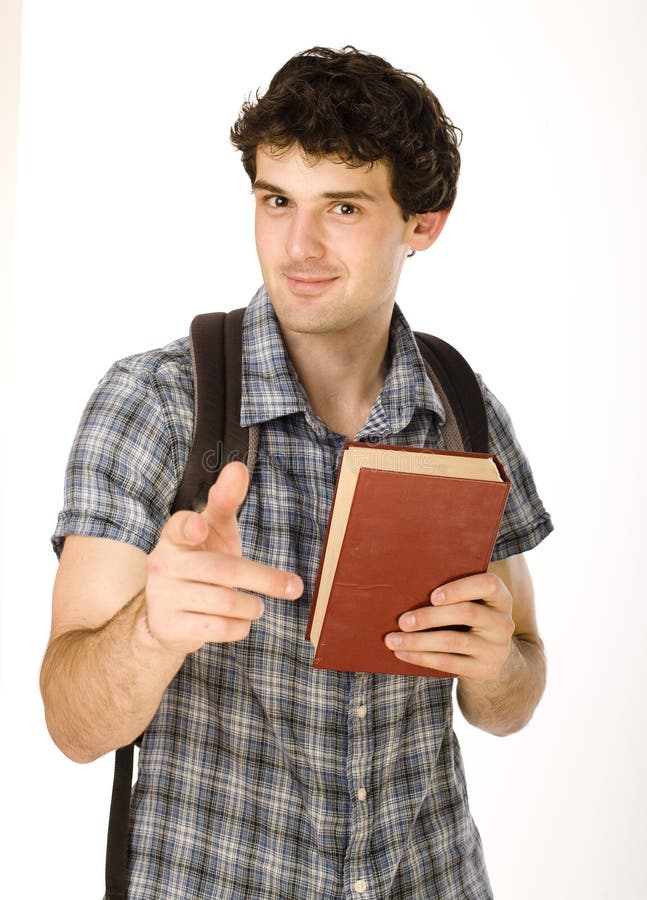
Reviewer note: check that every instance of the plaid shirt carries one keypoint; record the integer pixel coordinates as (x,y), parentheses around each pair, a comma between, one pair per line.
(261,777)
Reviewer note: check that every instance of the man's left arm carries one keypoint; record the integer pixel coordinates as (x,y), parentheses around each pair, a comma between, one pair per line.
(499,659)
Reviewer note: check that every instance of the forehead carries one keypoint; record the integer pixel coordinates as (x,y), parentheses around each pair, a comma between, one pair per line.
(294,169)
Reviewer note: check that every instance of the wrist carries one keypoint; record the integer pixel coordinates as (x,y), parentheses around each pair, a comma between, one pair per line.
(506,702)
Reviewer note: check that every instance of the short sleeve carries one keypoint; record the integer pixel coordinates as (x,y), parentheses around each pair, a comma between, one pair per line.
(129,451)
(525,521)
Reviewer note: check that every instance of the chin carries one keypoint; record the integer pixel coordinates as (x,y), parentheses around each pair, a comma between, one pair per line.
(307,315)
(305,324)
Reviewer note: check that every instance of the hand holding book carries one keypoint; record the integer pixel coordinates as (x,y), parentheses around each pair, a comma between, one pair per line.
(404,521)
(481,607)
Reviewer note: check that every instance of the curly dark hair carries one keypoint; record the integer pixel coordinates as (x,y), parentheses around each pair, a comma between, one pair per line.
(358,107)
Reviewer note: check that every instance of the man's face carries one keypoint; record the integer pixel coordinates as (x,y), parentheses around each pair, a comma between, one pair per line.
(331,241)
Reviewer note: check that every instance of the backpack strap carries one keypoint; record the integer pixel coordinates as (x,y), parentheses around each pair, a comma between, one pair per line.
(466,424)
(118,823)
(216,353)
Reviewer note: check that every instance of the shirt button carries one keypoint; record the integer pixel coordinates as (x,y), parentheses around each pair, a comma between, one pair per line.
(360,885)
(361,711)
(361,794)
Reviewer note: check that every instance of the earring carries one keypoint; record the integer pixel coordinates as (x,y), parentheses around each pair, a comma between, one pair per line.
(411,253)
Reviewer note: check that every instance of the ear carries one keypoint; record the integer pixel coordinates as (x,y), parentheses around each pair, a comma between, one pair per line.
(425,228)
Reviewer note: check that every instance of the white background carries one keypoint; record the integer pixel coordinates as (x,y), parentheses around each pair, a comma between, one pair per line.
(133,214)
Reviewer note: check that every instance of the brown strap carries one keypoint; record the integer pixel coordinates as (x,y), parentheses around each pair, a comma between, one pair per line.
(117,848)
(460,393)
(216,351)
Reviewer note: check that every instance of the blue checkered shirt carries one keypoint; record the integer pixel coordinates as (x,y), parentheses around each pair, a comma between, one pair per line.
(261,777)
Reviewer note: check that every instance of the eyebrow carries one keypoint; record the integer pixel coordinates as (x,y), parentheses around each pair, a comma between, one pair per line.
(261,185)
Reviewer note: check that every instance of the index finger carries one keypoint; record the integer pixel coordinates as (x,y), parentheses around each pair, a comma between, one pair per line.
(238,572)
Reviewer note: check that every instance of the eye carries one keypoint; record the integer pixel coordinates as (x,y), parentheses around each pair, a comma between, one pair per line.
(277,202)
(345,209)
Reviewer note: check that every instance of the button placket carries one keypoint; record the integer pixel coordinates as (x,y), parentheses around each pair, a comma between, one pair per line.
(361,748)
(361,714)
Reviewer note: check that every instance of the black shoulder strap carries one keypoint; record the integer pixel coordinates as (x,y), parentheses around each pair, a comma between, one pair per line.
(117,847)
(216,352)
(459,390)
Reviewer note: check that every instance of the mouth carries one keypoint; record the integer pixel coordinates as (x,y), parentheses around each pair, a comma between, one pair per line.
(307,284)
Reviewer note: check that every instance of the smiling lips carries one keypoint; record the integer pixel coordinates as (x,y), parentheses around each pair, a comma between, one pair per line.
(308,283)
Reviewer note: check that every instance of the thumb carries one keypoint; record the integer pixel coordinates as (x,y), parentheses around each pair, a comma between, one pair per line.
(223,502)
(185,529)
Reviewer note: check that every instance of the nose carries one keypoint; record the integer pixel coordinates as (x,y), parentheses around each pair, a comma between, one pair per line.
(305,236)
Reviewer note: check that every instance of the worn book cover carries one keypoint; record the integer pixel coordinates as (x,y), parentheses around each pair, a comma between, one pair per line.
(403,522)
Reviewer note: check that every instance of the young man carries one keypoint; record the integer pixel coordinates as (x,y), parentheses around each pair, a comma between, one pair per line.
(260,777)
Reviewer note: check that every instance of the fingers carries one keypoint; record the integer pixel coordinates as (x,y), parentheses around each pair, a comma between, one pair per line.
(462,643)
(196,613)
(192,597)
(213,629)
(223,502)
(212,600)
(227,571)
(185,529)
(197,574)
(486,587)
(216,527)
(470,614)
(467,602)
(466,630)
(473,654)
(472,667)
(188,632)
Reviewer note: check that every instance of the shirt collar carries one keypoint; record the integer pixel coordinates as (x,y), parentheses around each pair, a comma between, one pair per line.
(271,388)
(407,386)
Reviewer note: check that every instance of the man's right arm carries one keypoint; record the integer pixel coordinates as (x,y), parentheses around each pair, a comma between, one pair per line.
(123,622)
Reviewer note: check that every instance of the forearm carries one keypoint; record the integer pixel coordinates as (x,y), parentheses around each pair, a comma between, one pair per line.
(506,703)
(101,687)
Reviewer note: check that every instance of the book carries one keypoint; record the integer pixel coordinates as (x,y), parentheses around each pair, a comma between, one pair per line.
(403,521)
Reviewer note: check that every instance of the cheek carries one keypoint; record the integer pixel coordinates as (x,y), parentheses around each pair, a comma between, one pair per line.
(259,226)
(266,238)
(387,253)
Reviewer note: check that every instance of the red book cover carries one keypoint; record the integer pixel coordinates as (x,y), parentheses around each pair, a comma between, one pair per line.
(406,534)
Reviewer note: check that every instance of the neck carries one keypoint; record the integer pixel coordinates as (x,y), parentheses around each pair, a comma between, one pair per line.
(342,373)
